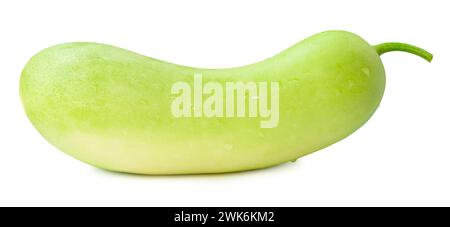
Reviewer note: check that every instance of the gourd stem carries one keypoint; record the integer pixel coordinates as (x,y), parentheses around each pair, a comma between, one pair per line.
(388,47)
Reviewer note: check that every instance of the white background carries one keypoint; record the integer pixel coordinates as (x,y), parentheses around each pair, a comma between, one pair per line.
(401,157)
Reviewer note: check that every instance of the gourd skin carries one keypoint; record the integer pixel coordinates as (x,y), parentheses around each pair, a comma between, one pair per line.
(110,107)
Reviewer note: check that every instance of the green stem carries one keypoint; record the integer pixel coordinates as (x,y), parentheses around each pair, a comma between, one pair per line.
(388,47)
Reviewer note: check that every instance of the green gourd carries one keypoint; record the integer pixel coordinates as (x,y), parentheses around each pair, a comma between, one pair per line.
(114,109)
